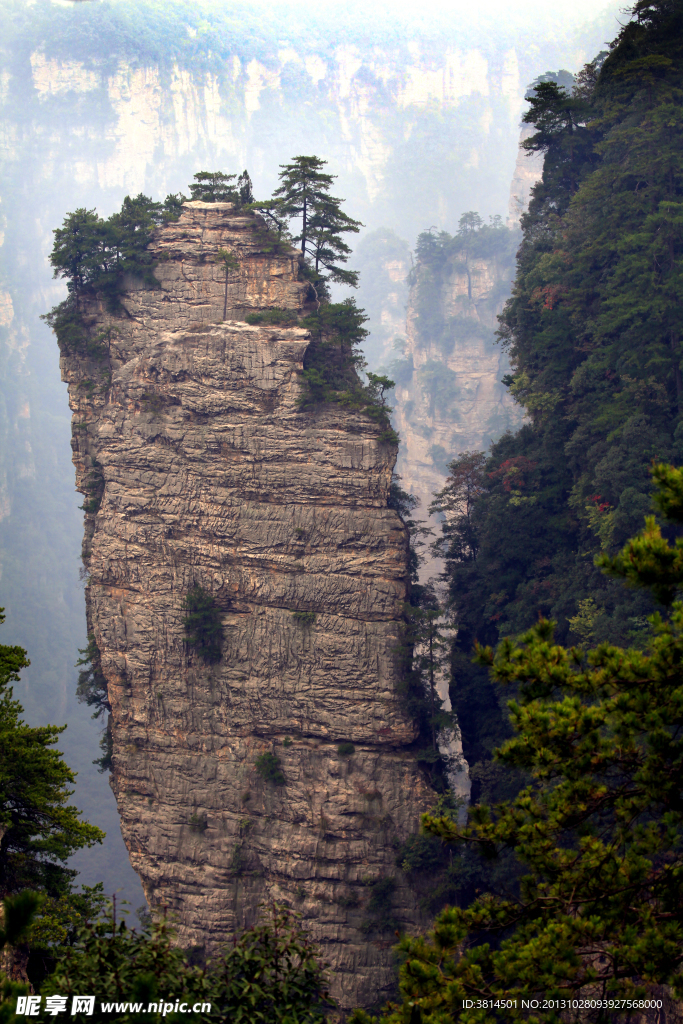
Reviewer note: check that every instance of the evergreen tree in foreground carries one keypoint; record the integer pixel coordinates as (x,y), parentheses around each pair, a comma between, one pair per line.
(597,829)
(39,829)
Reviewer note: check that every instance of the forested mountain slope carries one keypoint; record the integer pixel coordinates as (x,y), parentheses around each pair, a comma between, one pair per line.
(593,330)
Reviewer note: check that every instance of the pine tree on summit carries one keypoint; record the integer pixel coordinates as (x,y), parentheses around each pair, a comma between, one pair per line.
(304,193)
(213,187)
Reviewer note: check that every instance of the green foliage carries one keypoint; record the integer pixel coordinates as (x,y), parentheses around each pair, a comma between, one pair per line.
(438,256)
(56,927)
(304,193)
(304,618)
(39,829)
(218,187)
(94,487)
(213,187)
(272,975)
(91,689)
(331,362)
(18,914)
(231,264)
(92,254)
(380,907)
(198,823)
(593,331)
(282,317)
(269,974)
(67,323)
(104,761)
(203,626)
(598,828)
(268,767)
(424,651)
(443,877)
(117,964)
(59,919)
(331,358)
(228,260)
(421,853)
(346,749)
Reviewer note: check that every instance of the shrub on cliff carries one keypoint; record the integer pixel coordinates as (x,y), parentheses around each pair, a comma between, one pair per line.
(332,362)
(597,831)
(91,690)
(269,768)
(203,627)
(281,317)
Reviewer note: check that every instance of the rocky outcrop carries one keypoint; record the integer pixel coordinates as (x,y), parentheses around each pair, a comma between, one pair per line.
(202,468)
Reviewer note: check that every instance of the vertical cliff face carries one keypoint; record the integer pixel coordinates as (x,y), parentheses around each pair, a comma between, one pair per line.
(528,171)
(449,395)
(201,469)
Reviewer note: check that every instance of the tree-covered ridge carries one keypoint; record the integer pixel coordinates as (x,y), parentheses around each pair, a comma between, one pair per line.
(593,330)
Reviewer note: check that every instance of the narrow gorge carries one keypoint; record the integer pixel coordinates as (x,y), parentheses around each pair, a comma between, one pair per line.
(200,468)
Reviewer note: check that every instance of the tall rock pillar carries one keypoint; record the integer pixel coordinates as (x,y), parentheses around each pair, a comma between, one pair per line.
(200,468)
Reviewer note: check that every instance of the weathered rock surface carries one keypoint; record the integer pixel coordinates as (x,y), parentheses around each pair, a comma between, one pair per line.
(212,475)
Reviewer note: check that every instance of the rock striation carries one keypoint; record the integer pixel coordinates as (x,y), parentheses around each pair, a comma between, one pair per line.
(202,469)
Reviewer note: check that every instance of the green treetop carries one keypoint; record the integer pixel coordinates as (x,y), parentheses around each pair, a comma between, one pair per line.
(92,254)
(213,187)
(218,187)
